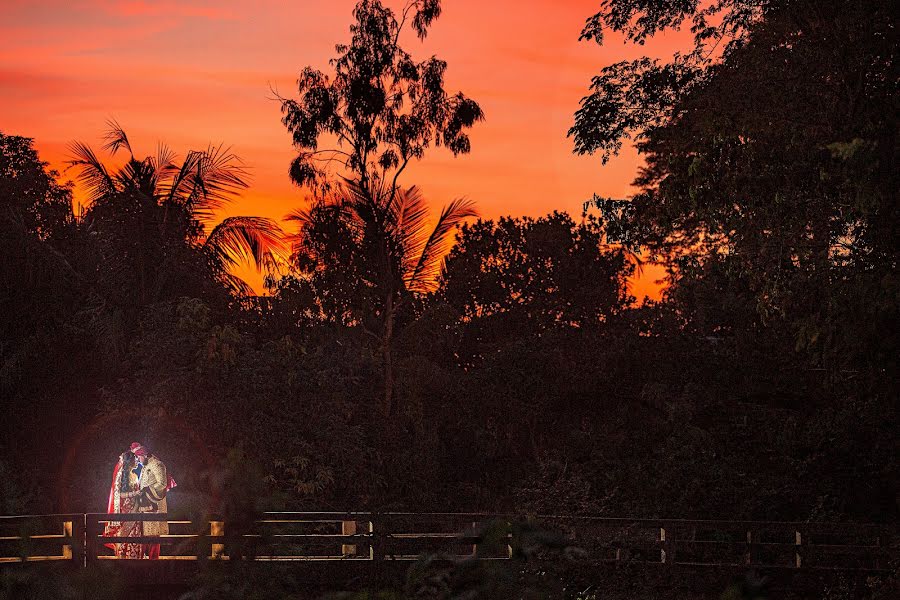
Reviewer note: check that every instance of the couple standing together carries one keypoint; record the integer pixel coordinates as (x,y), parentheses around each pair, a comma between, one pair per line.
(139,485)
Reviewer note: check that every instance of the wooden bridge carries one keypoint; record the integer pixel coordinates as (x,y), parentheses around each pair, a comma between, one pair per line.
(331,551)
(377,537)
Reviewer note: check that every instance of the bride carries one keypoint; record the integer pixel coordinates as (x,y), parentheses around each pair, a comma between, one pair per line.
(123,500)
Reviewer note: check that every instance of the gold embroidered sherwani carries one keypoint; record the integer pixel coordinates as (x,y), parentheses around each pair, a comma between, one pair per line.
(153,499)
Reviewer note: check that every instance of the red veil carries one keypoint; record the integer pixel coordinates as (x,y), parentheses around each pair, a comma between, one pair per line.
(112,504)
(113,528)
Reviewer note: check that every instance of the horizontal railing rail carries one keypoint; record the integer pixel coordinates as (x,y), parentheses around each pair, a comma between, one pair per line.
(53,537)
(398,536)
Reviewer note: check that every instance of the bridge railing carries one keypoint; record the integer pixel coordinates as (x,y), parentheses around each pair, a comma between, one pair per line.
(761,544)
(356,536)
(57,537)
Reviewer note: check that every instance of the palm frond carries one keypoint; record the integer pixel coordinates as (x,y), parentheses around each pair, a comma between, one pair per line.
(136,175)
(334,200)
(179,188)
(219,175)
(303,218)
(164,162)
(392,230)
(116,138)
(238,286)
(366,204)
(409,212)
(238,239)
(91,173)
(635,258)
(423,276)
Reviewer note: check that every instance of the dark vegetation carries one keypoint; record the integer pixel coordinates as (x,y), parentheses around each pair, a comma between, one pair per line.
(519,375)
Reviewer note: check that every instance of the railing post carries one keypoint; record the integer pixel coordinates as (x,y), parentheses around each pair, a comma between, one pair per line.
(348,528)
(91,531)
(663,545)
(374,549)
(798,541)
(217,547)
(67,531)
(78,540)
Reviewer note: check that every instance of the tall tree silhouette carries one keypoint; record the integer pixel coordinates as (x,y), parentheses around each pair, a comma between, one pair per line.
(156,205)
(372,254)
(379,109)
(362,126)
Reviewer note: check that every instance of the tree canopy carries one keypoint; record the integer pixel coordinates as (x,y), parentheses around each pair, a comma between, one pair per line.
(379,109)
(772,162)
(32,195)
(155,210)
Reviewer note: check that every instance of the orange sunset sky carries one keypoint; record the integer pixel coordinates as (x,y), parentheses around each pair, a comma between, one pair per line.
(193,72)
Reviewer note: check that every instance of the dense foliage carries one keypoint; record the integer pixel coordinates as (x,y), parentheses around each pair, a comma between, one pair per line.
(770,192)
(520,374)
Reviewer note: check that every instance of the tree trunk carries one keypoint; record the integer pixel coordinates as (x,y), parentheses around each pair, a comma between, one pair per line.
(386,344)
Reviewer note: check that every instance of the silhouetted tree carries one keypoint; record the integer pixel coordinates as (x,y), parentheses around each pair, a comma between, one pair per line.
(42,289)
(367,256)
(38,284)
(380,109)
(632,97)
(154,206)
(35,218)
(770,189)
(531,275)
(779,158)
(31,195)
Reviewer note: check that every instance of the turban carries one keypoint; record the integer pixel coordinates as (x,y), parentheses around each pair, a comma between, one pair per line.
(138,450)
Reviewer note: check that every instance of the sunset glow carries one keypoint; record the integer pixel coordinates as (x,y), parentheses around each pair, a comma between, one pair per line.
(330,298)
(189,73)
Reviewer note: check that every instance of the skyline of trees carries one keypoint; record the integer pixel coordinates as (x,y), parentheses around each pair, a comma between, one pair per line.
(407,361)
(519,373)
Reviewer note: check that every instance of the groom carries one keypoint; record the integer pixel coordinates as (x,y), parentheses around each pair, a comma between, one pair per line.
(155,482)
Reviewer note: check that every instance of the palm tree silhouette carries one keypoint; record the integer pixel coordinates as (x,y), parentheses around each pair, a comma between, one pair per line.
(180,200)
(396,250)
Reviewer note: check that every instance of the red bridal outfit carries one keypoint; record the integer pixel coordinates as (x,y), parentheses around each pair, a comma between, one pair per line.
(123,495)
